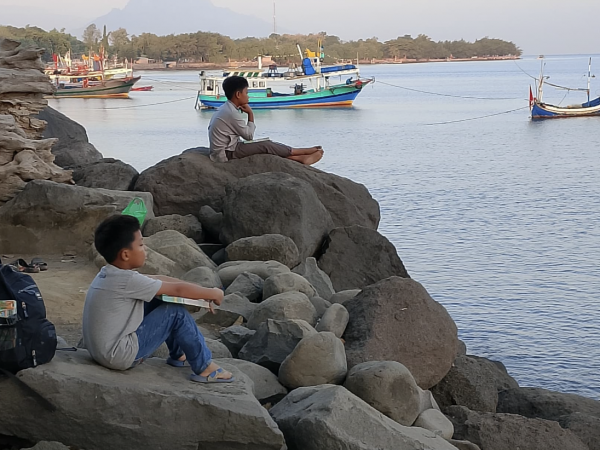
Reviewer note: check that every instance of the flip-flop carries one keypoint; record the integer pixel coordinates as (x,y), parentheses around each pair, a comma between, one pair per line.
(212,377)
(177,363)
(22,266)
(40,263)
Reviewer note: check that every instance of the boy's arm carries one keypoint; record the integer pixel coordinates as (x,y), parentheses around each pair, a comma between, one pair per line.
(243,129)
(177,288)
(162,278)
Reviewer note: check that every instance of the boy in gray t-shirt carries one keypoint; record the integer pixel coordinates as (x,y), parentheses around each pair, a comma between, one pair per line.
(123,322)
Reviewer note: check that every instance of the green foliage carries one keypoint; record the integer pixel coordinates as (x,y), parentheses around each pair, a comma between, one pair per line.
(216,48)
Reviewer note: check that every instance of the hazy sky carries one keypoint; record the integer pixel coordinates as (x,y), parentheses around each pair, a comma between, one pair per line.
(548,27)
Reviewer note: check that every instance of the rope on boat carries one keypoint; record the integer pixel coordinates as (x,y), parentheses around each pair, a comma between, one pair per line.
(148,104)
(477,118)
(446,95)
(183,85)
(521,69)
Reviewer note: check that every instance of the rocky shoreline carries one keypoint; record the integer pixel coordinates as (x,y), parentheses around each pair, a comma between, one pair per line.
(333,344)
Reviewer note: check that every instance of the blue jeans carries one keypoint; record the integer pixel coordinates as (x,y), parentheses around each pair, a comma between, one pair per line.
(173,324)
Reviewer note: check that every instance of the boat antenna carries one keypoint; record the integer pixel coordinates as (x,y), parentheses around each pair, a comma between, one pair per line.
(589,76)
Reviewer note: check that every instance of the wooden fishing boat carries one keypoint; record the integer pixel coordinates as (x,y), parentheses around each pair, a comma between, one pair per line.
(314,85)
(142,88)
(116,88)
(541,110)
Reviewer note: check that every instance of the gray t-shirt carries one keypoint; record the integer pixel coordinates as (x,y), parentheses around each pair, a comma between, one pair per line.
(113,311)
(226,128)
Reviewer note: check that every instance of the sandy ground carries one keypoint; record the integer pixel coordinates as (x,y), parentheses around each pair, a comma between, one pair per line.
(63,287)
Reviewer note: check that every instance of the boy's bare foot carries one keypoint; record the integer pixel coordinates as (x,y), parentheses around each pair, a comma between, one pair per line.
(212,367)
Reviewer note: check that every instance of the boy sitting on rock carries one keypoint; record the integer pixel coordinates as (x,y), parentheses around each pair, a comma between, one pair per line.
(228,126)
(123,323)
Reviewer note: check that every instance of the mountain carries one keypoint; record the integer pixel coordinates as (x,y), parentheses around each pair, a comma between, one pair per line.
(163,17)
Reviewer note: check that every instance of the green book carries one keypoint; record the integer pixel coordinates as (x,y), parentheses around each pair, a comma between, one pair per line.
(186,301)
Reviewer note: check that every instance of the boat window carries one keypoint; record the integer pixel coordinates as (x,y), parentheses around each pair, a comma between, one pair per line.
(254,84)
(261,84)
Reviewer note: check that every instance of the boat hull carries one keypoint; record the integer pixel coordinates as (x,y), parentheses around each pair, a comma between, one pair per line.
(108,89)
(545,111)
(326,98)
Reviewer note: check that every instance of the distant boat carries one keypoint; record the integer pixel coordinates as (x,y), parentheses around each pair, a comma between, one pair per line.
(541,110)
(116,88)
(314,86)
(142,88)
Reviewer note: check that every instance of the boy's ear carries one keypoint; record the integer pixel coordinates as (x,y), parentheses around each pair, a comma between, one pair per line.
(123,255)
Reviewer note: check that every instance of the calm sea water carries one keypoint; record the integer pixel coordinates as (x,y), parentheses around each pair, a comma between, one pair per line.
(496,217)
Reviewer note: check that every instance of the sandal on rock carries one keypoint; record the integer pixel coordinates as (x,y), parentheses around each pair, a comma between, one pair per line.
(40,263)
(212,377)
(22,266)
(177,363)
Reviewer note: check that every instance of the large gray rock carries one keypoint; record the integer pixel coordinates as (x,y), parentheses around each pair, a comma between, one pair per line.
(232,307)
(585,427)
(397,320)
(434,420)
(473,382)
(54,218)
(287,282)
(204,276)
(315,276)
(179,190)
(235,337)
(188,225)
(249,285)
(218,349)
(493,431)
(320,305)
(275,203)
(317,359)
(274,341)
(267,388)
(545,404)
(122,407)
(331,417)
(180,249)
(157,264)
(229,271)
(289,305)
(73,148)
(334,320)
(343,296)
(268,247)
(45,445)
(212,222)
(388,387)
(355,257)
(108,173)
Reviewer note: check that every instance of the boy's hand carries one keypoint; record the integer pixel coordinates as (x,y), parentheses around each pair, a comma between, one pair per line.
(246,108)
(219,295)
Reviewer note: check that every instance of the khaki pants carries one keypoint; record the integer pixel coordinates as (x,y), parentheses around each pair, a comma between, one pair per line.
(243,150)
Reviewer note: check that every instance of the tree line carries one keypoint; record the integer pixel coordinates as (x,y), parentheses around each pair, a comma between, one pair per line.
(216,48)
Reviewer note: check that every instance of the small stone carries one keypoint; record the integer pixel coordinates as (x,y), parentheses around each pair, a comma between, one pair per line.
(334,320)
(211,222)
(230,270)
(218,349)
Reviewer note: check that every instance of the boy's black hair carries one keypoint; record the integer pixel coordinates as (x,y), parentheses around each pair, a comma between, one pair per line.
(115,234)
(234,84)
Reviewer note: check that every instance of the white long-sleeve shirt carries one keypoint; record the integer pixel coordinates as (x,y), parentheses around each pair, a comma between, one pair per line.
(226,128)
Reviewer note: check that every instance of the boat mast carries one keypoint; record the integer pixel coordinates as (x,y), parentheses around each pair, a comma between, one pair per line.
(541,83)
(589,76)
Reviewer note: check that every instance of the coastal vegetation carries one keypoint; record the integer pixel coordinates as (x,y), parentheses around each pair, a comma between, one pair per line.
(216,48)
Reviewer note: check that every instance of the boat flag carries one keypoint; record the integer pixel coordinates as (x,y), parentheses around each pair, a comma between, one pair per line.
(530,98)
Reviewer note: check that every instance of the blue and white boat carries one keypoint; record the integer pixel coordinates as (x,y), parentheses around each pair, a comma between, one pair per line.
(314,85)
(541,110)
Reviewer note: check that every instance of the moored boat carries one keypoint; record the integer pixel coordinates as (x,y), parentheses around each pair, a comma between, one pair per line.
(116,88)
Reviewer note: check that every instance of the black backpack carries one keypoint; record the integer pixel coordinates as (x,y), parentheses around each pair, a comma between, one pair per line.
(29,339)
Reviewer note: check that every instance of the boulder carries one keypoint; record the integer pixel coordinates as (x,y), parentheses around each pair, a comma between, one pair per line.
(219,257)
(317,359)
(462,349)
(73,148)
(492,431)
(211,249)
(545,404)
(289,305)
(274,341)
(188,225)
(472,382)
(125,408)
(334,320)
(316,277)
(157,264)
(179,190)
(204,276)
(249,285)
(45,445)
(331,417)
(320,305)
(218,349)
(287,282)
(275,203)
(229,271)
(388,387)
(235,337)
(233,307)
(397,320)
(427,401)
(463,445)
(585,427)
(267,388)
(343,296)
(434,420)
(53,218)
(180,249)
(108,173)
(268,247)
(212,222)
(355,257)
